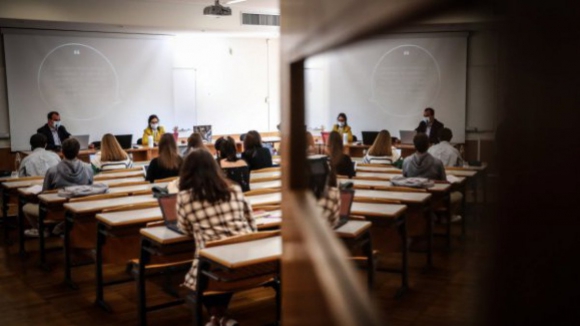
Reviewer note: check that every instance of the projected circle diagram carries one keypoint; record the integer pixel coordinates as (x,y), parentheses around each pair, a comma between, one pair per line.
(78,81)
(405,80)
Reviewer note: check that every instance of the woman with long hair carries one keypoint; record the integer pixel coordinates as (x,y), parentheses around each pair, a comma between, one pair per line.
(195,141)
(339,162)
(382,150)
(210,208)
(234,168)
(153,129)
(342,127)
(111,156)
(257,156)
(168,162)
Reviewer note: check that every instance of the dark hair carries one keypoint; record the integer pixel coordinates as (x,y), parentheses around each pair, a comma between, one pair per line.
(151,117)
(431,111)
(37,140)
(201,174)
(228,150)
(168,156)
(445,134)
(421,142)
(342,115)
(218,144)
(335,149)
(252,141)
(70,148)
(195,141)
(50,114)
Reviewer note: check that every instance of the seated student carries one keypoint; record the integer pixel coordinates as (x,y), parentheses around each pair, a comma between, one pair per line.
(324,187)
(194,142)
(210,208)
(382,151)
(153,129)
(40,160)
(341,162)
(217,145)
(444,151)
(257,156)
(310,145)
(424,165)
(111,156)
(168,162)
(235,169)
(68,172)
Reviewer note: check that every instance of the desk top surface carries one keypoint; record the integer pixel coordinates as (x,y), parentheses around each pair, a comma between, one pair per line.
(438,187)
(22,184)
(265,199)
(263,175)
(404,197)
(266,184)
(353,228)
(163,235)
(53,198)
(95,206)
(122,174)
(378,209)
(245,253)
(124,218)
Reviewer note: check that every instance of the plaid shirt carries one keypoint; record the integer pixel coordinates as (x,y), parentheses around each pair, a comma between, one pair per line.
(330,204)
(210,222)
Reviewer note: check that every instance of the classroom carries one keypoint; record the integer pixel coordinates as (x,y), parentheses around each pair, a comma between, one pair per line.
(264,162)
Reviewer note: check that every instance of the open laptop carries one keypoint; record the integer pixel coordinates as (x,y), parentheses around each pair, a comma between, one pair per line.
(205,132)
(126,141)
(368,137)
(169,211)
(407,136)
(83,141)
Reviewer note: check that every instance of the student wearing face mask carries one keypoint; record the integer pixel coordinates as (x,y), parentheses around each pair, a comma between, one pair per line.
(153,129)
(430,126)
(342,127)
(54,131)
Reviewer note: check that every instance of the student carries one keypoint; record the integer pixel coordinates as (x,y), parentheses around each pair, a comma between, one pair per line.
(310,145)
(194,142)
(168,162)
(69,172)
(234,168)
(217,145)
(382,150)
(257,156)
(324,187)
(342,127)
(430,125)
(444,151)
(111,156)
(153,129)
(424,165)
(54,131)
(40,160)
(339,162)
(210,208)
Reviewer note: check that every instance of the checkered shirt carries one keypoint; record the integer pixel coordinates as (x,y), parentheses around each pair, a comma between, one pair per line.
(330,204)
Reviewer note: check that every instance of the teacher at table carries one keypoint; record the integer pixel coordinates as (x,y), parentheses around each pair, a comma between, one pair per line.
(154,130)
(430,126)
(342,127)
(54,131)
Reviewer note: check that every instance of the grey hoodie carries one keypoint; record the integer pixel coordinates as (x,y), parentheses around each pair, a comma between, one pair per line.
(68,173)
(424,166)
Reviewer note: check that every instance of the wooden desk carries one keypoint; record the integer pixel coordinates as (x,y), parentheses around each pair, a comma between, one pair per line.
(265,199)
(85,212)
(265,176)
(355,149)
(385,184)
(9,190)
(244,254)
(272,184)
(378,168)
(389,215)
(169,245)
(118,175)
(356,234)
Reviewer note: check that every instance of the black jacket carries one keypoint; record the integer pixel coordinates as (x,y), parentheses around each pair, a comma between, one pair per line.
(45,130)
(435,128)
(258,158)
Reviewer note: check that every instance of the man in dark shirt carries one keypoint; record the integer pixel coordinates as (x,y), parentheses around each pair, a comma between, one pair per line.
(430,126)
(54,132)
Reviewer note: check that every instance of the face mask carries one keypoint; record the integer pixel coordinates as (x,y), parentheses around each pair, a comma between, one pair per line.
(56,124)
(154,125)
(341,124)
(426,119)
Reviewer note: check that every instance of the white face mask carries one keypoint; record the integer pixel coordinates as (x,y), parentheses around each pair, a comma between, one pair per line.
(56,124)
(341,124)
(426,119)
(154,125)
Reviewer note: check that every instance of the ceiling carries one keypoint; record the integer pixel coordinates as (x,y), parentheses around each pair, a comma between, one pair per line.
(270,5)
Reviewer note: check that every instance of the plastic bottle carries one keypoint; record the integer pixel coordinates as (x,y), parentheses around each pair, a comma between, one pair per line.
(150,141)
(462,154)
(17,161)
(344,138)
(176,133)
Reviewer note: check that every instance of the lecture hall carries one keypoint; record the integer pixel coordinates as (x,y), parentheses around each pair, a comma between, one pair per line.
(294,162)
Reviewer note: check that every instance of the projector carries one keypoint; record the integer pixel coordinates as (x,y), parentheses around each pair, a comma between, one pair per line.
(217,10)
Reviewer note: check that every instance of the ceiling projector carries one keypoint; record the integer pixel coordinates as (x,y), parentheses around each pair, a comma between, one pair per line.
(217,10)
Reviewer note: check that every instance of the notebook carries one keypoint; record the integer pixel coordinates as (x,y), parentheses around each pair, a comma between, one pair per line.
(407,136)
(83,141)
(169,211)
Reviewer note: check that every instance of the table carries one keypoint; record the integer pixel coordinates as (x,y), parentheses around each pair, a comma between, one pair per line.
(117,175)
(356,234)
(265,176)
(271,184)
(265,199)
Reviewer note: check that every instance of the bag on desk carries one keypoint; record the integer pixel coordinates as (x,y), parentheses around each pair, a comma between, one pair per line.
(398,163)
(401,181)
(82,191)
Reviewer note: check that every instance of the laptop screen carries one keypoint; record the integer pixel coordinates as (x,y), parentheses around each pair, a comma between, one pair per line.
(125,141)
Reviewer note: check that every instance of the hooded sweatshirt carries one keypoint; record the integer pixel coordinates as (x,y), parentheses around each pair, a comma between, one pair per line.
(68,173)
(424,166)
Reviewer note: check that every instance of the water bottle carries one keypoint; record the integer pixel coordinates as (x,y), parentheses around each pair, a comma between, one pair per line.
(176,134)
(345,138)
(462,154)
(150,141)
(17,161)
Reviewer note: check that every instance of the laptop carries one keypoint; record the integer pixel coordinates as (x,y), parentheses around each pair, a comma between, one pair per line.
(169,211)
(83,141)
(407,136)
(205,132)
(368,137)
(126,141)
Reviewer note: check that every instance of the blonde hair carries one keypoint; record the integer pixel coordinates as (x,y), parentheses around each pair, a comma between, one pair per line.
(382,145)
(111,151)
(168,156)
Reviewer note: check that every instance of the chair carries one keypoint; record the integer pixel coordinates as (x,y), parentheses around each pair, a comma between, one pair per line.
(324,135)
(240,175)
(215,280)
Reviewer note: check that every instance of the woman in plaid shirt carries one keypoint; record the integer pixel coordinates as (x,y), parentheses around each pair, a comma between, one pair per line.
(210,208)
